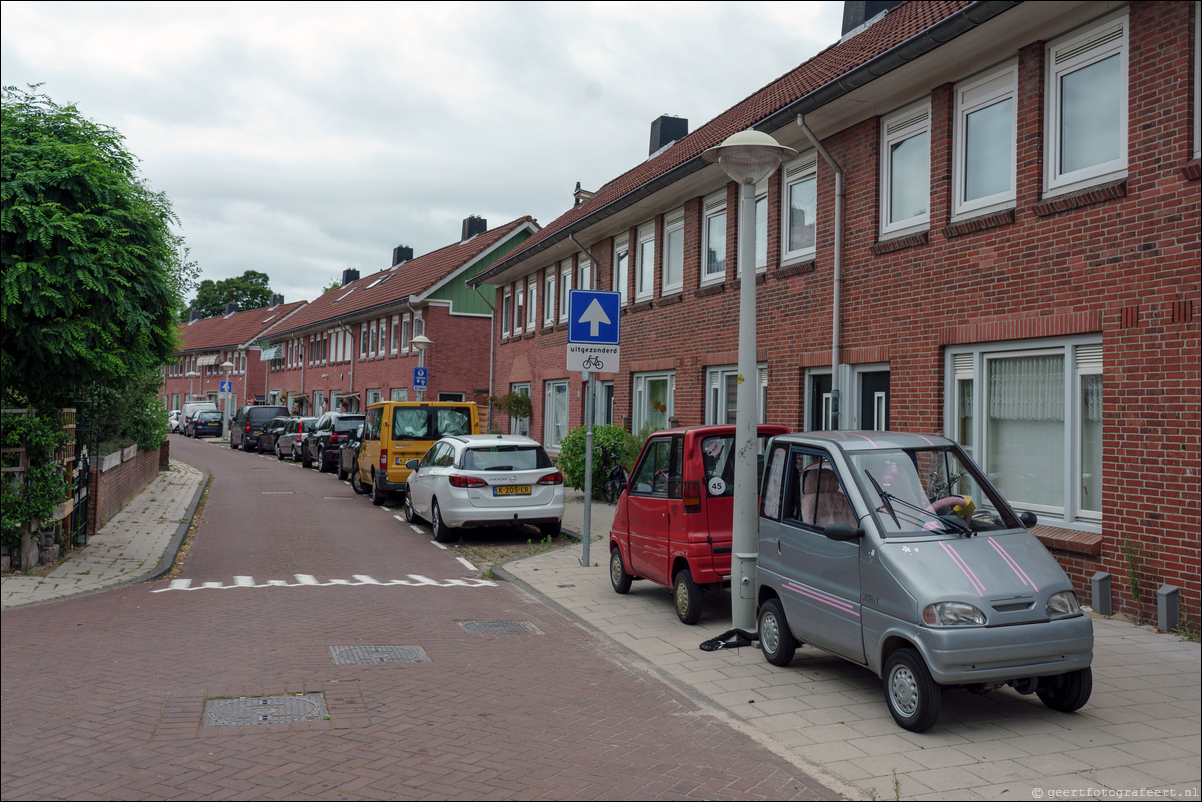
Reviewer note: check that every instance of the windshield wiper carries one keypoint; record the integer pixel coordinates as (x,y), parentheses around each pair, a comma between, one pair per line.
(885,497)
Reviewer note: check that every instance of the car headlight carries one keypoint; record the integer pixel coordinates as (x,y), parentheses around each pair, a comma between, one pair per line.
(952,614)
(1063,604)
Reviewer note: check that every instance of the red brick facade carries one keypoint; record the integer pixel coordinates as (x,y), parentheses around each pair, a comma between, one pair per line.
(111,489)
(1115,264)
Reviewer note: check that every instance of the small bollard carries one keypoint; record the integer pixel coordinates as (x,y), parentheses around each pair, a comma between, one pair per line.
(1168,607)
(1101,593)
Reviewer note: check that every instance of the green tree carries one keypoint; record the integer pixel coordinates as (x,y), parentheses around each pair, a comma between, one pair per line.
(92,273)
(251,290)
(334,284)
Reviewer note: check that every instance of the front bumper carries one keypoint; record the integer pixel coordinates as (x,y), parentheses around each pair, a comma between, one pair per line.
(995,654)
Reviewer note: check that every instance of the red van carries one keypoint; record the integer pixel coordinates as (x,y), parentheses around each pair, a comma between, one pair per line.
(673,521)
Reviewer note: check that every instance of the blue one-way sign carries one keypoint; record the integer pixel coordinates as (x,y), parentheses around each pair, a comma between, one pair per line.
(419,378)
(226,387)
(594,317)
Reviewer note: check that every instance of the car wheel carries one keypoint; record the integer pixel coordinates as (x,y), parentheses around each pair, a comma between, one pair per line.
(306,461)
(342,475)
(377,493)
(687,596)
(442,532)
(232,445)
(913,697)
(776,639)
(278,454)
(1066,692)
(321,461)
(245,444)
(411,515)
(617,572)
(357,482)
(550,530)
(292,452)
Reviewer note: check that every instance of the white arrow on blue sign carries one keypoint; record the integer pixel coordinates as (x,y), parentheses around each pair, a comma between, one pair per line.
(227,387)
(594,318)
(419,378)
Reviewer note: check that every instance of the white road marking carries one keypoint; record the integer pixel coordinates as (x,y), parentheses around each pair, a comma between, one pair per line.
(436,543)
(466,564)
(386,509)
(307,580)
(399,518)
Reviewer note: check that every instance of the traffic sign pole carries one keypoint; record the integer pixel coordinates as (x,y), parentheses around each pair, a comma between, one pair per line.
(587,534)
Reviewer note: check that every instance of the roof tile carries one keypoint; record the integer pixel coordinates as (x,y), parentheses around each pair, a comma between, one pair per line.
(221,331)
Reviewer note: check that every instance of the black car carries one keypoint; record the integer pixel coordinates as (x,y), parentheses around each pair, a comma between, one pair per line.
(348,460)
(322,444)
(270,435)
(248,424)
(206,423)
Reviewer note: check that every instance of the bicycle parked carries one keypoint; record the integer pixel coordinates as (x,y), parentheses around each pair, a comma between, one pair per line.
(615,475)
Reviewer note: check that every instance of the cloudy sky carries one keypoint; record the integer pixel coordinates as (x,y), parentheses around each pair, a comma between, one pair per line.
(299,139)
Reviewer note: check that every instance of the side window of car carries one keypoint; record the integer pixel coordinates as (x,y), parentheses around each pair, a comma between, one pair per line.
(676,467)
(771,494)
(814,494)
(651,474)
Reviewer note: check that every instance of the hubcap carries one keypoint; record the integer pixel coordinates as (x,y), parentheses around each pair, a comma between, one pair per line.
(903,690)
(770,633)
(615,568)
(682,597)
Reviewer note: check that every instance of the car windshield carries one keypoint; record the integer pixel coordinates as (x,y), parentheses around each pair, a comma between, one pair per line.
(348,423)
(918,491)
(505,458)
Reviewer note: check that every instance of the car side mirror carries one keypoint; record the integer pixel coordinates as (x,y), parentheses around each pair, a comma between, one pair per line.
(1027,519)
(412,464)
(843,532)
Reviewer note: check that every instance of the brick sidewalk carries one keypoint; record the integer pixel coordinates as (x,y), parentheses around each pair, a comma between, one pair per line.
(129,548)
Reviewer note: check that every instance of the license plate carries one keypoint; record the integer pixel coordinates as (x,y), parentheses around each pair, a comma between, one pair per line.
(511,490)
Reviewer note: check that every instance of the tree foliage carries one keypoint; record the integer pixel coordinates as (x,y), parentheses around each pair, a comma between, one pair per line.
(93,274)
(251,290)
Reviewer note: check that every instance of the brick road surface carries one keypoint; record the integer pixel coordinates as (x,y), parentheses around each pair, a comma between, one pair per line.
(103,696)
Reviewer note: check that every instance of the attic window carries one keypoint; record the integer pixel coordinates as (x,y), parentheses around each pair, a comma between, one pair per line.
(268,320)
(348,292)
(379,281)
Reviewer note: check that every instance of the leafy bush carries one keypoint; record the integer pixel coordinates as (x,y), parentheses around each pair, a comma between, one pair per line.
(126,414)
(605,439)
(45,484)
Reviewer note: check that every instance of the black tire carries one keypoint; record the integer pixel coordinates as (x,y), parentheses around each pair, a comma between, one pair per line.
(321,461)
(292,452)
(357,482)
(378,496)
(306,460)
(342,475)
(442,532)
(245,444)
(231,439)
(776,639)
(687,597)
(1066,692)
(411,515)
(279,455)
(913,697)
(550,530)
(617,572)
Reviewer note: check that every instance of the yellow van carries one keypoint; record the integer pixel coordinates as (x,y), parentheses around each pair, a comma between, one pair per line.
(395,432)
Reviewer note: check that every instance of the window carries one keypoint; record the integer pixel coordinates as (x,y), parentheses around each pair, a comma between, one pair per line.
(1087,106)
(419,325)
(506,310)
(986,129)
(654,400)
(659,472)
(318,402)
(405,335)
(555,413)
(713,235)
(450,397)
(565,286)
(586,274)
(371,343)
(603,404)
(549,299)
(363,341)
(532,304)
(722,396)
(373,396)
(519,307)
(906,170)
(622,268)
(673,279)
(799,203)
(395,342)
(399,394)
(645,275)
(761,229)
(520,425)
(1031,416)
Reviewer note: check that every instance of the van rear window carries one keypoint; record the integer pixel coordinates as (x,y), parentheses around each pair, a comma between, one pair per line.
(452,422)
(505,458)
(411,423)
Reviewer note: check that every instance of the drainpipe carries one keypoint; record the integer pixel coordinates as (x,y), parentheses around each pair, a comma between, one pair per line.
(492,347)
(303,356)
(838,269)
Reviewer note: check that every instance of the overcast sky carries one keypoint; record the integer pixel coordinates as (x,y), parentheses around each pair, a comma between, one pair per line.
(298,139)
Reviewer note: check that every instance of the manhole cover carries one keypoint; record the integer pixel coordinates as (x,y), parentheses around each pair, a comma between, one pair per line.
(499,627)
(264,710)
(375,655)
(278,492)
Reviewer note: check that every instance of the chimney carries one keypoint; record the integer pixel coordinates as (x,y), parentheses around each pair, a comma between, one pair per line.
(401,254)
(195,316)
(349,275)
(665,130)
(231,308)
(856,13)
(472,226)
(581,195)
(276,300)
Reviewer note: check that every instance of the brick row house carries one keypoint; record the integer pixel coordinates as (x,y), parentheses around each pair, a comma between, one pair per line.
(1019,267)
(353,345)
(208,343)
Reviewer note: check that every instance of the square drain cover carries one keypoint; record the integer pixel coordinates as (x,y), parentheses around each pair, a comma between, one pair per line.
(264,710)
(499,627)
(375,655)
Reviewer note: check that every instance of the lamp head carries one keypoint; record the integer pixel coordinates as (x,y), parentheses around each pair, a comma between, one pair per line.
(748,157)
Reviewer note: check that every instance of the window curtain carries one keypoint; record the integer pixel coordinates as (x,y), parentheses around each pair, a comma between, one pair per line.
(1025,429)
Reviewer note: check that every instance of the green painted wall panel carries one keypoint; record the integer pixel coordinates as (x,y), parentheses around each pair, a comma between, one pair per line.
(463,298)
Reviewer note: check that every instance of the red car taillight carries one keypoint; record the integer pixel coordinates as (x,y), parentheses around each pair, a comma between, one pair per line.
(552,479)
(692,496)
(247,426)
(383,459)
(466,481)
(337,438)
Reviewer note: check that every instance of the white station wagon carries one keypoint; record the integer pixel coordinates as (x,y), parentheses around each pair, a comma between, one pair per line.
(479,480)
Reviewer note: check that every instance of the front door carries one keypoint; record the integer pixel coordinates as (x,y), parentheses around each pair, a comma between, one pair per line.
(874,400)
(647,504)
(820,402)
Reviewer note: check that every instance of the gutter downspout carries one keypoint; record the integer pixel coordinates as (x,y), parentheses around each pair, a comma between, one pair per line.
(492,347)
(836,290)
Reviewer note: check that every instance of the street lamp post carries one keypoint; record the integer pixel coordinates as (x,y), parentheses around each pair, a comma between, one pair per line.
(225,417)
(421,342)
(192,374)
(747,158)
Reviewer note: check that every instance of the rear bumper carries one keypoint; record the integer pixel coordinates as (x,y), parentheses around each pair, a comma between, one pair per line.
(503,516)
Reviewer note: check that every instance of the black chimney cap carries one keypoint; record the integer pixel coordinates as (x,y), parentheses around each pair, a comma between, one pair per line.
(349,275)
(195,316)
(665,130)
(472,226)
(401,254)
(231,307)
(276,300)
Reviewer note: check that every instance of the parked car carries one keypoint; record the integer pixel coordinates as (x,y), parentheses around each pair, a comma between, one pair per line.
(485,480)
(191,409)
(328,435)
(271,433)
(895,552)
(173,420)
(248,424)
(205,423)
(672,524)
(348,460)
(398,431)
(288,441)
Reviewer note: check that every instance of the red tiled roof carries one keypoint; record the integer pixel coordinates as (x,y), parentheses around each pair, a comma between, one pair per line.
(411,278)
(220,331)
(900,24)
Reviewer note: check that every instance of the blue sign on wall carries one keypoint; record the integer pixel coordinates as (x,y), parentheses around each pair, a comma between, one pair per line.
(594,317)
(419,378)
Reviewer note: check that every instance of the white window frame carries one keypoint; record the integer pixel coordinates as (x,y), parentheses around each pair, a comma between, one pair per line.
(673,223)
(761,194)
(519,307)
(419,324)
(715,382)
(373,339)
(1197,79)
(901,125)
(1085,40)
(646,236)
(975,94)
(520,425)
(399,394)
(565,287)
(532,303)
(803,168)
(394,342)
(621,274)
(373,396)
(549,298)
(639,385)
(549,439)
(586,274)
(363,340)
(506,311)
(406,327)
(1082,356)
(712,206)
